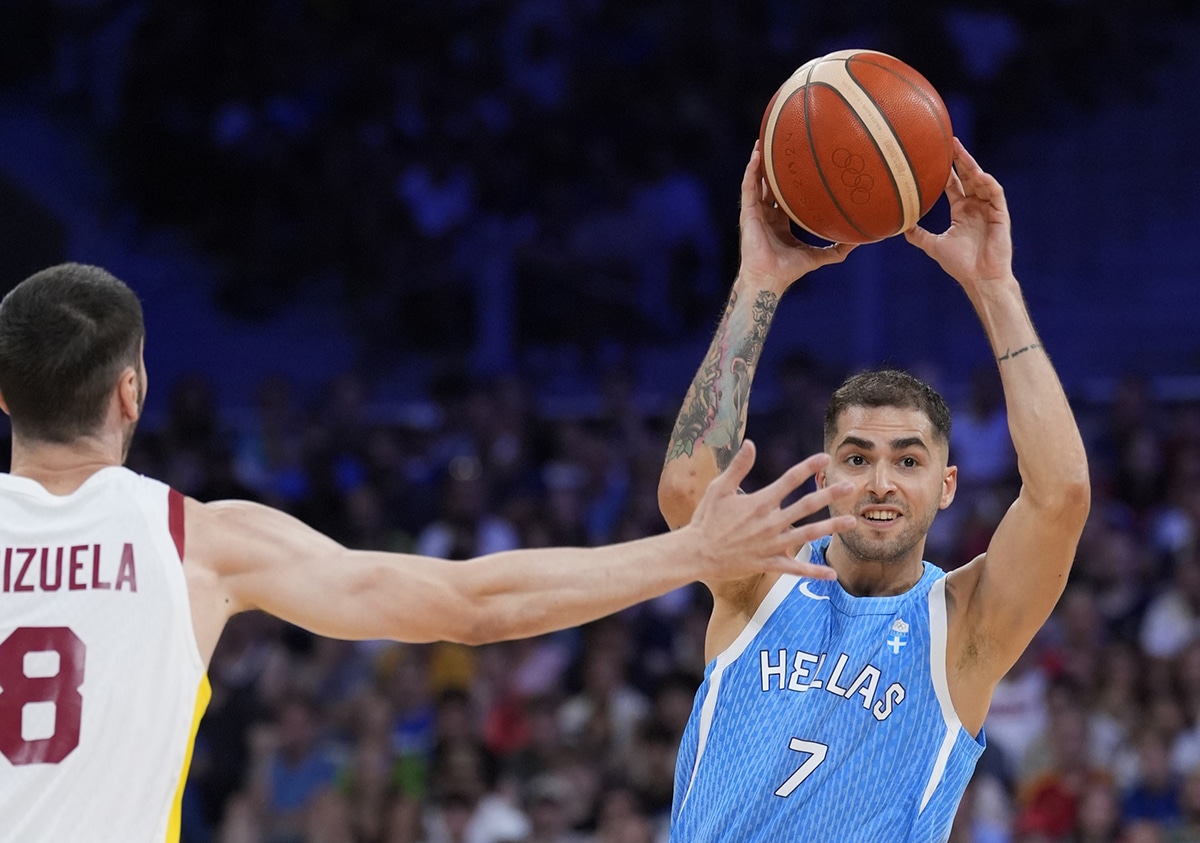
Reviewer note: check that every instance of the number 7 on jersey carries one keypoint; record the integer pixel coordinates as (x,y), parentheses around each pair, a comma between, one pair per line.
(816,755)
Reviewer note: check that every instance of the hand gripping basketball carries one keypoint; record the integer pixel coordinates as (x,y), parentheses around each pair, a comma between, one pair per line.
(856,146)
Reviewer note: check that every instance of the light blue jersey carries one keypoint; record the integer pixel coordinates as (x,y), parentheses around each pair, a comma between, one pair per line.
(828,719)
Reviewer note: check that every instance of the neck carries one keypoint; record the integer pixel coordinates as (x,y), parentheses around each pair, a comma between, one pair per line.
(63,467)
(871,577)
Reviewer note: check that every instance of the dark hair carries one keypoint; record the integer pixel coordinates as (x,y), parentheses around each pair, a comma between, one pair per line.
(887,388)
(66,334)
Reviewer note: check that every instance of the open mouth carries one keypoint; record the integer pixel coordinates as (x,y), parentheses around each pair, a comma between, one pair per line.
(881,517)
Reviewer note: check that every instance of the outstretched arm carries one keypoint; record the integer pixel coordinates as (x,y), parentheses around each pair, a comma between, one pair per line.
(1004,596)
(248,556)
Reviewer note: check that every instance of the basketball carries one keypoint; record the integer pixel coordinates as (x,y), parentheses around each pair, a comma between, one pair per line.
(856,146)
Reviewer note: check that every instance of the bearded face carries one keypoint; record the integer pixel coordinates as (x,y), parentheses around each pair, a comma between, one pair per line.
(897,464)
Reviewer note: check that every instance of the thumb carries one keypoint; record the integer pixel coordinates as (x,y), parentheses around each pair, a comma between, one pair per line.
(835,253)
(920,238)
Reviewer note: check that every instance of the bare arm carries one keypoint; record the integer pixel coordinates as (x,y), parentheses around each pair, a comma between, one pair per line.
(254,557)
(712,421)
(1005,595)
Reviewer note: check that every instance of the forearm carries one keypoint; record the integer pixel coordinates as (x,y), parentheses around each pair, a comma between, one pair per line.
(356,594)
(713,416)
(1050,452)
(714,411)
(521,593)
(712,421)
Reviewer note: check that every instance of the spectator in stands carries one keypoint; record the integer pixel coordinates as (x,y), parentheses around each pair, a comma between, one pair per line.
(293,779)
(468,526)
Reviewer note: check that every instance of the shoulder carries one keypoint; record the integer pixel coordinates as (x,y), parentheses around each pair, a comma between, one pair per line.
(238,536)
(221,536)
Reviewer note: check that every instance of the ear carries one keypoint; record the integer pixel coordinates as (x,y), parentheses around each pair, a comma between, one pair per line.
(127,395)
(4,405)
(949,486)
(821,478)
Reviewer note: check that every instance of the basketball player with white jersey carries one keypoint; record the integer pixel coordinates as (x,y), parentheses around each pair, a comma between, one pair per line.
(852,709)
(114,588)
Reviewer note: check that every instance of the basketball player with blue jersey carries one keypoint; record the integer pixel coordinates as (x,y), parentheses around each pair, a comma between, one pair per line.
(853,709)
(114,588)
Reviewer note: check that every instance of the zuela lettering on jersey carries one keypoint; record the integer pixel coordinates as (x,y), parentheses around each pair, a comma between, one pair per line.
(796,670)
(79,567)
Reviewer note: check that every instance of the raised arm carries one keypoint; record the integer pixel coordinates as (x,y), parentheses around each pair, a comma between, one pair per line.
(246,556)
(1002,598)
(712,421)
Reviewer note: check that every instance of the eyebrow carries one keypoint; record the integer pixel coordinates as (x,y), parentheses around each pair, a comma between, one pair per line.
(897,444)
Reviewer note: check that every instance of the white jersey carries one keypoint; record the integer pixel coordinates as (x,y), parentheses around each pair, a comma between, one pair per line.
(101,682)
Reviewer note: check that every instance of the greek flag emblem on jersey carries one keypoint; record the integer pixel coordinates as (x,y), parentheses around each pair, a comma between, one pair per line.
(898,636)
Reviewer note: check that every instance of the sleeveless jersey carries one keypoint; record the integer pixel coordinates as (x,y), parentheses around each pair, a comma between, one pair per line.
(828,719)
(101,681)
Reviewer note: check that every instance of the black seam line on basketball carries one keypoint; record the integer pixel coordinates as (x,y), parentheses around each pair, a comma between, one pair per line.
(821,170)
(928,104)
(882,157)
(816,161)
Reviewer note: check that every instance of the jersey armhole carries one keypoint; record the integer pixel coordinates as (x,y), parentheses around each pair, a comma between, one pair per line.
(175,520)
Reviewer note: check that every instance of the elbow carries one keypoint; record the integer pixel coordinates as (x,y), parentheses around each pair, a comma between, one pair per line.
(478,627)
(677,496)
(472,621)
(1077,491)
(449,609)
(1079,499)
(481,616)
(1071,500)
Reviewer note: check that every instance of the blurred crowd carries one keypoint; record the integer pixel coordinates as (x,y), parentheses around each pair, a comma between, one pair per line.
(443,164)
(1093,736)
(446,164)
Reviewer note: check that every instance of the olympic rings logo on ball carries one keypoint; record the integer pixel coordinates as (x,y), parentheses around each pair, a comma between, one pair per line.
(853,176)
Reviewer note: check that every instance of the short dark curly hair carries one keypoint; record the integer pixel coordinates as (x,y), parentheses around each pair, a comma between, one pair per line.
(887,388)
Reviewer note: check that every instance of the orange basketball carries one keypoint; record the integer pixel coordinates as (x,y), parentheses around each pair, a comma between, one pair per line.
(856,146)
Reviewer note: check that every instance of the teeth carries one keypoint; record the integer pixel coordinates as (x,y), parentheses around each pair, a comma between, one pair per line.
(881,516)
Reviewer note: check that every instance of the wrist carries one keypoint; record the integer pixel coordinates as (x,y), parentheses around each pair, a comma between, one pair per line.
(749,279)
(689,548)
(1001,284)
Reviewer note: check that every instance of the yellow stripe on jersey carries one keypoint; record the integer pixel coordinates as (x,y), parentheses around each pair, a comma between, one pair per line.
(203,695)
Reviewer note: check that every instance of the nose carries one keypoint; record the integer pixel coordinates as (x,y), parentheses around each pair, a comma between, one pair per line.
(881,481)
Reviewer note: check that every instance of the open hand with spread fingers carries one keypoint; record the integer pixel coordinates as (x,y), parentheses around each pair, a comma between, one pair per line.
(746,534)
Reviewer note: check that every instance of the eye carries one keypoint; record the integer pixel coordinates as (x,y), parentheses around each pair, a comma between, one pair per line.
(909,462)
(856,459)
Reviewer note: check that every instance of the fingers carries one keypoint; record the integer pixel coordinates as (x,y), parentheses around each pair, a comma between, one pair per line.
(961,156)
(973,178)
(765,196)
(793,478)
(808,569)
(921,238)
(816,529)
(954,185)
(833,253)
(731,478)
(816,501)
(752,179)
(798,536)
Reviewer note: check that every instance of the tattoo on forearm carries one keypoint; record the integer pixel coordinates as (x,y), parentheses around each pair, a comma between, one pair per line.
(715,408)
(698,410)
(1008,355)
